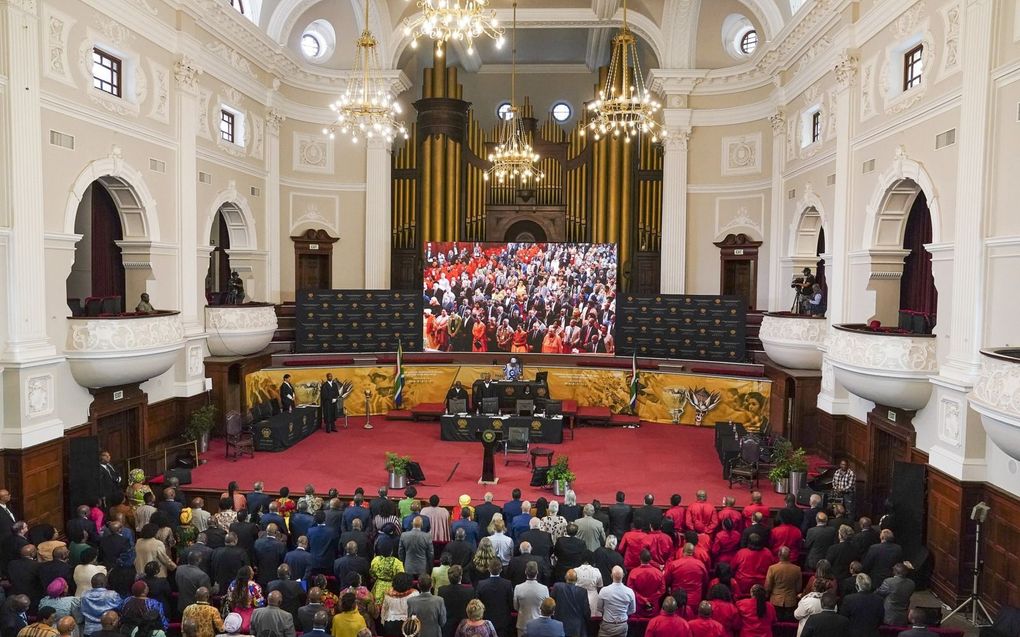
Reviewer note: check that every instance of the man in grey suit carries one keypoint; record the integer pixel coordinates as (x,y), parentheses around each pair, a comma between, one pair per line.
(897,591)
(818,540)
(528,598)
(590,530)
(190,577)
(428,608)
(415,550)
(272,621)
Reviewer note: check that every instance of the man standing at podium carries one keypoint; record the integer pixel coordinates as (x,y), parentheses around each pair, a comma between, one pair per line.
(457,392)
(329,394)
(485,389)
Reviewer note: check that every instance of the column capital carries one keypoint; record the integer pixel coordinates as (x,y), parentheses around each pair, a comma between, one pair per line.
(677,139)
(274,118)
(846,70)
(186,72)
(28,6)
(378,143)
(778,122)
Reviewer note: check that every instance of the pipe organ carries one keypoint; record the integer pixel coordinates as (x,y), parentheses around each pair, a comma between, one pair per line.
(606,191)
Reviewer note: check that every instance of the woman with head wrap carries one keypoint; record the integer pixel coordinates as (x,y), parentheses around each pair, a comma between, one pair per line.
(65,605)
(463,502)
(186,532)
(135,608)
(231,625)
(137,488)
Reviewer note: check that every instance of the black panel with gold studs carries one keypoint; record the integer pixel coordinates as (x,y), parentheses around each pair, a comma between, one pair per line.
(681,326)
(352,321)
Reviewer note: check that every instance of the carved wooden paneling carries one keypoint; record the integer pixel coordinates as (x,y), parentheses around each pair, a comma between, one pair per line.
(35,478)
(1001,549)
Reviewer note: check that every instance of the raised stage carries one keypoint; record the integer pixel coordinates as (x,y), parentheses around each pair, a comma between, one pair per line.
(658,458)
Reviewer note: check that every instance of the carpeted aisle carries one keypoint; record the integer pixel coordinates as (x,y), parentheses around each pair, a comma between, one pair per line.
(656,458)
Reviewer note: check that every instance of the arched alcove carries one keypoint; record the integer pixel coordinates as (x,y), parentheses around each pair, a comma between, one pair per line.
(96,283)
(525,232)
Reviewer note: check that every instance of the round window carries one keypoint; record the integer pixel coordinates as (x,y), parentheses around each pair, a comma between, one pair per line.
(561,111)
(503,111)
(749,42)
(310,45)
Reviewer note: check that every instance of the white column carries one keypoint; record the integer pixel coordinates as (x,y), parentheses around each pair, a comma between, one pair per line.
(377,214)
(832,397)
(186,73)
(22,162)
(966,325)
(673,252)
(273,246)
(778,292)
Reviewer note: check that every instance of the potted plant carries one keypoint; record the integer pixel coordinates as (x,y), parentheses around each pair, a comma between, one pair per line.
(560,476)
(789,466)
(396,465)
(798,466)
(200,423)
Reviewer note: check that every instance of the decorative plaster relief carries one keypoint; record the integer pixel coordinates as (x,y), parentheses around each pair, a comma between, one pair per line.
(203,114)
(743,212)
(57,33)
(313,154)
(195,360)
(951,14)
(868,89)
(257,134)
(949,421)
(820,47)
(999,385)
(828,378)
(39,395)
(741,155)
(135,82)
(235,59)
(316,211)
(160,110)
(794,330)
(116,335)
(241,318)
(881,351)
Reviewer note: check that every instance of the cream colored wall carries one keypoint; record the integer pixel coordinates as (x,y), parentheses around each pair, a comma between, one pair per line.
(486,91)
(710,53)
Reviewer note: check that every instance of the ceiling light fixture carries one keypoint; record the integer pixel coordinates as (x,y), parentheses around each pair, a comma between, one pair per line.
(457,20)
(624,106)
(367,107)
(513,160)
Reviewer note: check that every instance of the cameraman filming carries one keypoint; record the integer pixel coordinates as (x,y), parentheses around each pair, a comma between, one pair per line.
(803,285)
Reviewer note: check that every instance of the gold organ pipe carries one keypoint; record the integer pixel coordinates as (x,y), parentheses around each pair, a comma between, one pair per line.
(438,185)
(429,231)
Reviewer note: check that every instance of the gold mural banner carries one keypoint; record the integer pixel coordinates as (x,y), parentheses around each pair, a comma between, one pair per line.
(665,397)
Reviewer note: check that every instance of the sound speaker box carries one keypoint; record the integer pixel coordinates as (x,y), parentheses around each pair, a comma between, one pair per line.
(414,473)
(83,470)
(539,476)
(182,474)
(804,496)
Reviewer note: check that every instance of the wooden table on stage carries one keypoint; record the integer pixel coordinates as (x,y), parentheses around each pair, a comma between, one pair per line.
(509,391)
(465,428)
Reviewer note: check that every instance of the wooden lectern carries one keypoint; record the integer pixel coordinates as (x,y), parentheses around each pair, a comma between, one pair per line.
(490,439)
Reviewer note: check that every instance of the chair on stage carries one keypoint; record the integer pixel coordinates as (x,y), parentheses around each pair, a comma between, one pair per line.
(517,442)
(744,468)
(553,408)
(525,407)
(456,406)
(490,405)
(239,438)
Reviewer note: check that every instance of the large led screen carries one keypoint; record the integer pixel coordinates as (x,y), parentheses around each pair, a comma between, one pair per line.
(556,298)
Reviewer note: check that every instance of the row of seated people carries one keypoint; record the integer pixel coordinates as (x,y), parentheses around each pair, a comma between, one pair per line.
(377,549)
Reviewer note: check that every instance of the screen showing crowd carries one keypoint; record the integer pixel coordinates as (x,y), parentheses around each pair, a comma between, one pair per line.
(557,298)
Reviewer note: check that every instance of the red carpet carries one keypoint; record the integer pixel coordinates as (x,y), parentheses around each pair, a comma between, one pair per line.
(657,458)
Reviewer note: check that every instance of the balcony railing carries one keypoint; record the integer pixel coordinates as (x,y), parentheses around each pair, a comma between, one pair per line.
(239,330)
(996,396)
(105,351)
(792,340)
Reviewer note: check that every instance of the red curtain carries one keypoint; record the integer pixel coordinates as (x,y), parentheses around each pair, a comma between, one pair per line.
(107,264)
(917,286)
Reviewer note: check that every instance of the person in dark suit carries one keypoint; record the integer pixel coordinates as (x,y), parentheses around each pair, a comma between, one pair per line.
(456,597)
(59,566)
(291,591)
(270,552)
(306,614)
(572,606)
(350,562)
(381,505)
(791,513)
(897,591)
(827,623)
(867,537)
(545,625)
(620,516)
(356,512)
(459,550)
(286,395)
(359,537)
(811,515)
(258,502)
(757,527)
(484,389)
(919,624)
(516,567)
(818,540)
(648,515)
(23,574)
(497,594)
(484,513)
(541,542)
(190,577)
(878,562)
(171,507)
(570,552)
(82,523)
(226,561)
(110,480)
(512,507)
(113,544)
(457,392)
(246,531)
(7,518)
(843,553)
(863,608)
(202,549)
(329,397)
(300,561)
(323,540)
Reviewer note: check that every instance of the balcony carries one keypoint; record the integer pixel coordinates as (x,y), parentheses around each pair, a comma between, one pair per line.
(239,330)
(792,340)
(996,396)
(105,351)
(888,367)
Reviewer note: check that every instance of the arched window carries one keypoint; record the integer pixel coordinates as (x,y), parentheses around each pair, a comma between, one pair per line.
(310,45)
(740,37)
(318,41)
(240,5)
(749,42)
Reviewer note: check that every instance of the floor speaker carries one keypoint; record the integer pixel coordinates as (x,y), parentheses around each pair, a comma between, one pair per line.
(83,470)
(539,476)
(414,473)
(182,474)
(804,496)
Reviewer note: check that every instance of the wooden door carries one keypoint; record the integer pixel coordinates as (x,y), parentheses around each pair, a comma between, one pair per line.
(313,260)
(738,256)
(117,435)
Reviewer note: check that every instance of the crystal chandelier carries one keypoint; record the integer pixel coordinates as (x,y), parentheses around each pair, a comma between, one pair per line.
(457,20)
(624,106)
(366,107)
(514,159)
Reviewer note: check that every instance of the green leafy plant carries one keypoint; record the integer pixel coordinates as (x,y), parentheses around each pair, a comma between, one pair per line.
(200,423)
(786,459)
(560,471)
(396,463)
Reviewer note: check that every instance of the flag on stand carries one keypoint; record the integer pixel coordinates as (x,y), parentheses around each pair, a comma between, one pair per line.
(398,381)
(633,384)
